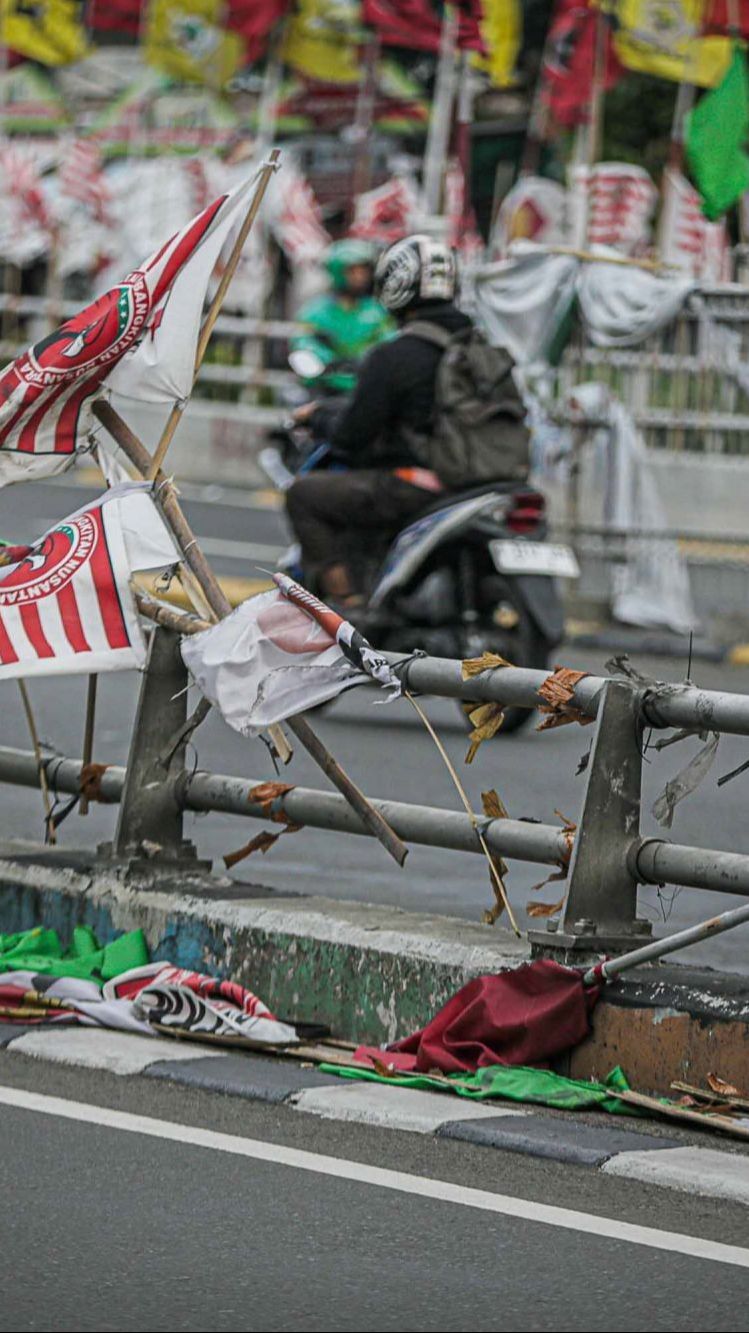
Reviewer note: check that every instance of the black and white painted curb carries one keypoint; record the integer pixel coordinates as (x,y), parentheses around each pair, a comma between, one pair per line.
(610,1147)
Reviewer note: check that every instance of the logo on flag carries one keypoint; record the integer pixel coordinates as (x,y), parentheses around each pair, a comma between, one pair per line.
(66,606)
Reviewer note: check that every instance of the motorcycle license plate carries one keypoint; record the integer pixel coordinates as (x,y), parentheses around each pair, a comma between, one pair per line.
(520,557)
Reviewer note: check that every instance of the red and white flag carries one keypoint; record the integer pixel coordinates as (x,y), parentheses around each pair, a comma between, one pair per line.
(612,204)
(80,177)
(26,222)
(687,240)
(298,225)
(138,339)
(388,213)
(267,661)
(66,607)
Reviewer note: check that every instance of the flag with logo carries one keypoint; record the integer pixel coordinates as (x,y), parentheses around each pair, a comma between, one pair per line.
(569,62)
(417,25)
(138,339)
(49,31)
(665,38)
(321,41)
(66,606)
(188,40)
(255,20)
(501,25)
(388,212)
(279,654)
(267,661)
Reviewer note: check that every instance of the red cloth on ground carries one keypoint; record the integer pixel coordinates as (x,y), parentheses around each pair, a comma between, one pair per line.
(524,1017)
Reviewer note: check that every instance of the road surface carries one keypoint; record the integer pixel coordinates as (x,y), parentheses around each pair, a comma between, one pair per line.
(136,1204)
(386,751)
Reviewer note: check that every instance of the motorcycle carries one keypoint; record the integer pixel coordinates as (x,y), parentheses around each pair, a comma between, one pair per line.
(473,573)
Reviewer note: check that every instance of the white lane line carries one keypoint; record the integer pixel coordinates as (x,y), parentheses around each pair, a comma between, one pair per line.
(440,1190)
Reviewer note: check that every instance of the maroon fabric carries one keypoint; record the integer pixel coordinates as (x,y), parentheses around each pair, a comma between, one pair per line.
(524,1017)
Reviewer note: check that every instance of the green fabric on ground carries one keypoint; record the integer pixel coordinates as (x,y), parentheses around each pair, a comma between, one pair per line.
(514,1083)
(40,950)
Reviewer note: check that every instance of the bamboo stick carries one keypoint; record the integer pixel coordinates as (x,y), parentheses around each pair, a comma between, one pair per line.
(175,416)
(88,734)
(219,603)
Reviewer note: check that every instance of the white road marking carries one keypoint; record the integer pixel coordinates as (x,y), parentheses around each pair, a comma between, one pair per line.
(411,1109)
(236,550)
(692,1170)
(441,1191)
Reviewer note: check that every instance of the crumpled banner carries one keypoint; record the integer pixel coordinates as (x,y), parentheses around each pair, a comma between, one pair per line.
(514,1083)
(686,781)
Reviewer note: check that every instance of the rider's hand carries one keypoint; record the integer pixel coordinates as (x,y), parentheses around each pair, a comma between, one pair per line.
(302,414)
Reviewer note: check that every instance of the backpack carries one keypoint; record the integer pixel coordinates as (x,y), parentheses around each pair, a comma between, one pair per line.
(478,432)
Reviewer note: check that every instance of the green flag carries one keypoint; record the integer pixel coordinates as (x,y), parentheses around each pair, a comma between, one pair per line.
(716,133)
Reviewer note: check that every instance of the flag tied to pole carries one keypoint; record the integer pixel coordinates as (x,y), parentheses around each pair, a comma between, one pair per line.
(138,339)
(66,606)
(278,654)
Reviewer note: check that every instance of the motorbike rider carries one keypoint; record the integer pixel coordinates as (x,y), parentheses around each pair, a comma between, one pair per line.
(345,322)
(386,488)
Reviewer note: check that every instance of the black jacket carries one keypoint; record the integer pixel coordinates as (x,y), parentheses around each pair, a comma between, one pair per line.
(395,388)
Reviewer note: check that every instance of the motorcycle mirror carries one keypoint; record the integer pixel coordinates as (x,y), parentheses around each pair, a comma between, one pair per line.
(306,364)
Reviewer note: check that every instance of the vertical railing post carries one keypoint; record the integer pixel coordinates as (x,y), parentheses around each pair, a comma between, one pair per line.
(601,910)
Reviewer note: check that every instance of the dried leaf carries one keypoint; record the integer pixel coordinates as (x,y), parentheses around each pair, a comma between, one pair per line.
(384,1070)
(487,720)
(558,690)
(493,805)
(718,1084)
(264,794)
(473,666)
(260,843)
(545,909)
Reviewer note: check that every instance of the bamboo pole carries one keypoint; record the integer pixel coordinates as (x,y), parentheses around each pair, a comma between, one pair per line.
(175,416)
(88,734)
(188,544)
(440,120)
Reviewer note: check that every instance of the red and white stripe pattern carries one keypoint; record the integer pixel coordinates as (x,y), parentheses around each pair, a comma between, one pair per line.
(621,199)
(67,606)
(299,225)
(81,178)
(388,213)
(687,239)
(21,180)
(45,393)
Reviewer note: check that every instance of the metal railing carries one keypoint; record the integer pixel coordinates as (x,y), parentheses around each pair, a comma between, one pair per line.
(604,858)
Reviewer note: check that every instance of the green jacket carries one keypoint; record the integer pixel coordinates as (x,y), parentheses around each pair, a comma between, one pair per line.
(341,331)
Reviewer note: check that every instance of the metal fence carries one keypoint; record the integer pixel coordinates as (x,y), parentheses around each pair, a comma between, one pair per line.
(604,859)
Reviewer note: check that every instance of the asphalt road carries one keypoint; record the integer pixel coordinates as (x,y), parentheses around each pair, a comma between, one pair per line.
(131,1204)
(386,751)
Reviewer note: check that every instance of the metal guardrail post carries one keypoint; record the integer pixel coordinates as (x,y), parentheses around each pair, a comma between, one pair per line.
(601,911)
(149,826)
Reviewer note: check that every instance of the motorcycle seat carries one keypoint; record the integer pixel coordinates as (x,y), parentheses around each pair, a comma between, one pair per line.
(488,488)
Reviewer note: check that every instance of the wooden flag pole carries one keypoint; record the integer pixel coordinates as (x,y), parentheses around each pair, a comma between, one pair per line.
(175,416)
(220,605)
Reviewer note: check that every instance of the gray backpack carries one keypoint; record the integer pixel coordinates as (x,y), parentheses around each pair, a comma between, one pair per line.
(478,432)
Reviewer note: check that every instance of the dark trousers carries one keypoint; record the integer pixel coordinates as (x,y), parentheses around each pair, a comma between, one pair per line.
(327,509)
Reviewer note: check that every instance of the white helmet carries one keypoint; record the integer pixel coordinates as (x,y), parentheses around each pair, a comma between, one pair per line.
(414,270)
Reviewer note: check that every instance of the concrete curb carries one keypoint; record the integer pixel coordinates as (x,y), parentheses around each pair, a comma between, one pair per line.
(611,1147)
(371,974)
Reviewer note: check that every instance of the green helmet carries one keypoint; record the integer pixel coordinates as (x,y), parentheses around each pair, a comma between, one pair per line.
(342,255)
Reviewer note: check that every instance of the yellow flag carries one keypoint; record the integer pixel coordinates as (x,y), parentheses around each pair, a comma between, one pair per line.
(51,31)
(661,37)
(502,31)
(320,41)
(186,39)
